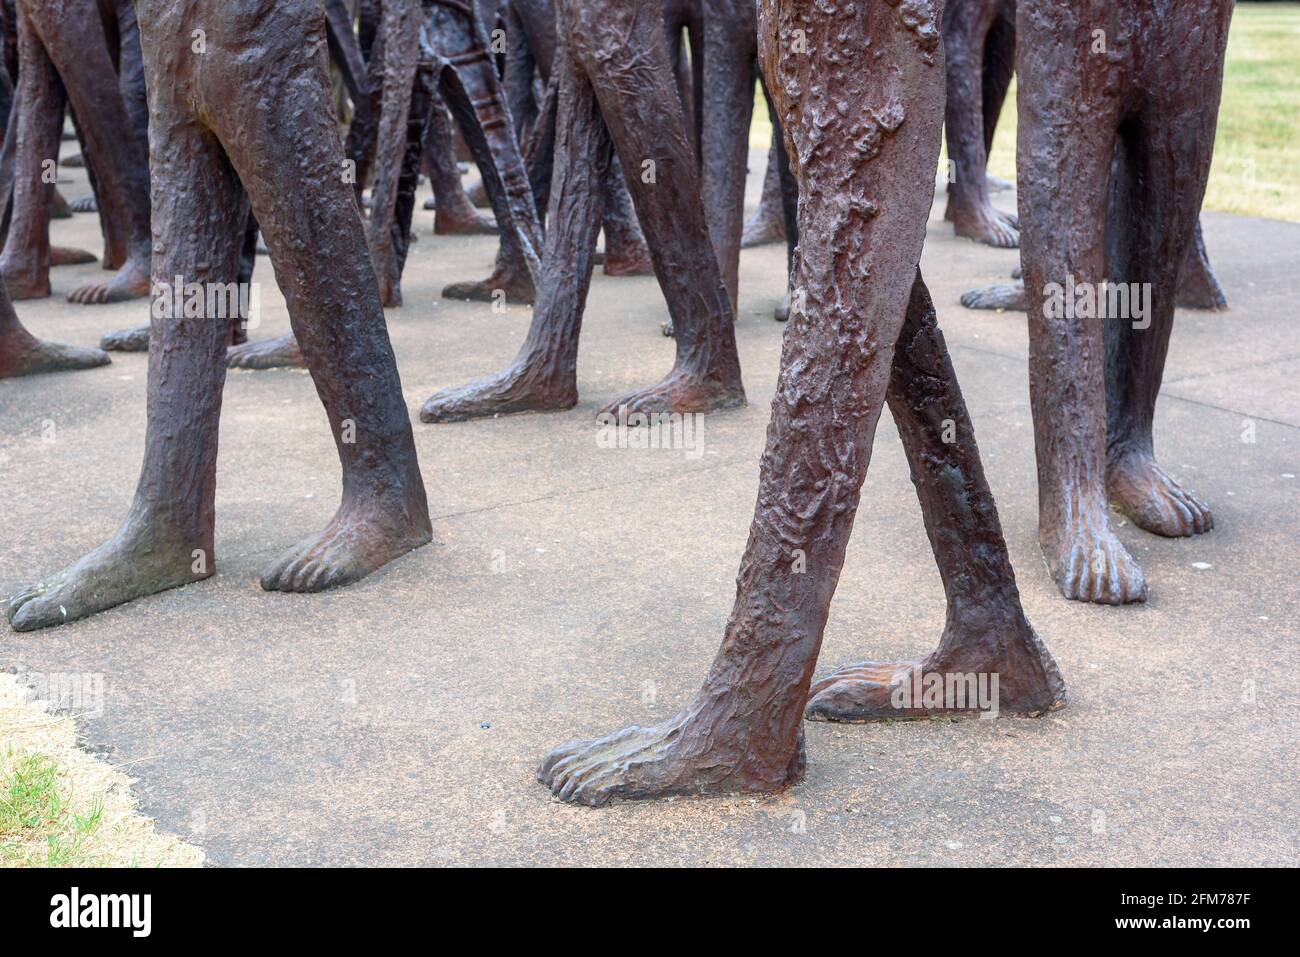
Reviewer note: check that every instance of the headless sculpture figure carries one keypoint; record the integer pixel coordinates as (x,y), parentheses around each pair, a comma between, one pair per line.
(222,118)
(603,95)
(21,353)
(531,47)
(979,42)
(863,133)
(64,56)
(1130,127)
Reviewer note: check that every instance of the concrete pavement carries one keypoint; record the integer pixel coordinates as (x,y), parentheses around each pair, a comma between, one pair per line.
(573,590)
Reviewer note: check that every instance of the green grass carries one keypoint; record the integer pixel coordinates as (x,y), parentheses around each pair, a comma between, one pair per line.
(38,827)
(1256,151)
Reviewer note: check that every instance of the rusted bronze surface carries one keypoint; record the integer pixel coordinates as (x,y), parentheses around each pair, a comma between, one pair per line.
(252,106)
(478,102)
(1198,287)
(979,41)
(454,214)
(64,57)
(863,134)
(427,56)
(609,101)
(767,225)
(21,353)
(1118,105)
(530,55)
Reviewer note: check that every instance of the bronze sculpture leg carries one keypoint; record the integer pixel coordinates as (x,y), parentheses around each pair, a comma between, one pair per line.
(1198,286)
(979,41)
(986,632)
(730,51)
(633,101)
(473,92)
(1153,107)
(531,38)
(400,27)
(1063,163)
(36,123)
(218,126)
(363,130)
(626,253)
(1165,164)
(684,28)
(477,100)
(864,145)
(62,46)
(21,353)
(767,225)
(454,214)
(262,354)
(365,86)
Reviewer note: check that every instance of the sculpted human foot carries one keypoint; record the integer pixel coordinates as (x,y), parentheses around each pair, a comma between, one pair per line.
(682,392)
(281,352)
(126,340)
(24,279)
(129,282)
(84,204)
(1017,675)
(69,256)
(362,537)
(517,286)
(631,261)
(144,557)
(31,356)
(781,311)
(765,226)
(1088,562)
(511,391)
(987,225)
(1152,499)
(1009,295)
(626,252)
(679,757)
(465,222)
